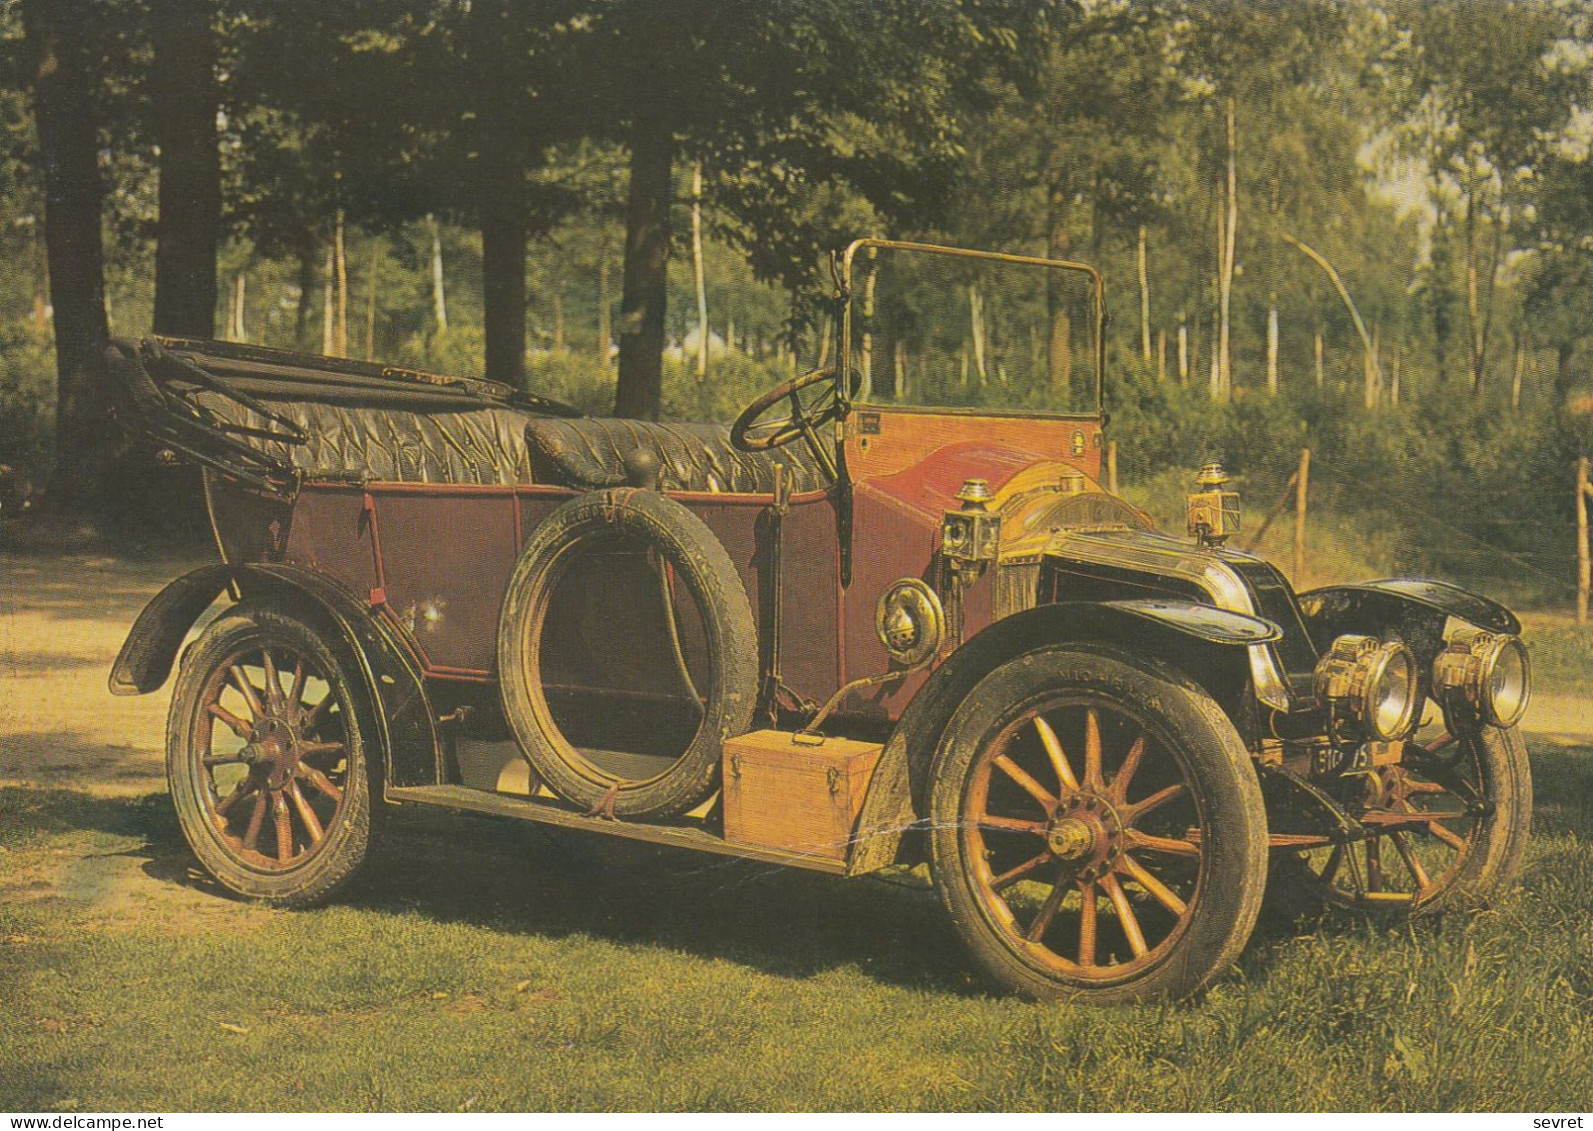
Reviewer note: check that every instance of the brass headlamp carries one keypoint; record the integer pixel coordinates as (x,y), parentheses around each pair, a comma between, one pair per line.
(1490,674)
(1373,681)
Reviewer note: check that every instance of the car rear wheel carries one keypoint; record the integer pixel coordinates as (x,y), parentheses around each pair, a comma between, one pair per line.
(266,758)
(1098,830)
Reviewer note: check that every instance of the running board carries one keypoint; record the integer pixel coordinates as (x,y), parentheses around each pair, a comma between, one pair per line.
(552,813)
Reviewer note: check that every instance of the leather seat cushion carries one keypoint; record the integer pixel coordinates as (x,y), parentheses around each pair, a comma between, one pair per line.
(591,453)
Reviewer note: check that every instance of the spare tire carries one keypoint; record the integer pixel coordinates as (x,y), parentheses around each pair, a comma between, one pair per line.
(616,702)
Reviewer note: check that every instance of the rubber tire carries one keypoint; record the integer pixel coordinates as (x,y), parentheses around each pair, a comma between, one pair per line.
(1489,869)
(348,841)
(1215,763)
(732,637)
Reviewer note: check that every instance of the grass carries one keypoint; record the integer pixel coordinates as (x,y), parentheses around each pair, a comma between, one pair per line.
(1562,656)
(487,966)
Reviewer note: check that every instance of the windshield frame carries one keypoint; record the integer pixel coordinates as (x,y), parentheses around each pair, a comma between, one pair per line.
(844,346)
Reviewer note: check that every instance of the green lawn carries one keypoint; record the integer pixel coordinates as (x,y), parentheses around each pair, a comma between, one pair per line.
(489,966)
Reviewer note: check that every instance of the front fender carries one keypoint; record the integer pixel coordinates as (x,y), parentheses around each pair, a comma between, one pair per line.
(1206,642)
(1413,609)
(399,708)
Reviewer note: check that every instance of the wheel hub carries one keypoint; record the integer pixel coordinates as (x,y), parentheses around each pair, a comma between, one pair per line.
(1087,831)
(273,751)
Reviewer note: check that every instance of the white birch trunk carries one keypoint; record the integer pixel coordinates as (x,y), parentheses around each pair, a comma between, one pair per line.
(1272,351)
(1144,301)
(329,308)
(372,283)
(698,272)
(976,329)
(1183,351)
(1225,373)
(439,297)
(240,286)
(340,258)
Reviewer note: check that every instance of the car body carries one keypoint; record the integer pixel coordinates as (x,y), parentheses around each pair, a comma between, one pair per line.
(877,631)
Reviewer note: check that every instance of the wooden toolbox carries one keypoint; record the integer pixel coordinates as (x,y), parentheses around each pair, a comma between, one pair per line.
(795,795)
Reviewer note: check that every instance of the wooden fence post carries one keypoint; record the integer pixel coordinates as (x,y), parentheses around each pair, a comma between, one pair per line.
(1111,466)
(1583,570)
(1302,484)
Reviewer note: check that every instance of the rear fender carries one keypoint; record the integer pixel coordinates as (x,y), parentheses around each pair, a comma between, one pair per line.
(1206,643)
(395,691)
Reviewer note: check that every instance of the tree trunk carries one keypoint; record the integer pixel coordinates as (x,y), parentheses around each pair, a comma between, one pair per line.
(64,80)
(306,304)
(240,289)
(1161,354)
(1371,377)
(1516,371)
(41,276)
(1564,375)
(1272,350)
(1225,367)
(340,272)
(1393,381)
(698,272)
(184,97)
(645,292)
(976,331)
(1370,365)
(1144,301)
(439,297)
(1316,347)
(558,321)
(605,329)
(1214,382)
(329,306)
(1056,299)
(372,282)
(1500,219)
(502,126)
(1473,306)
(1183,350)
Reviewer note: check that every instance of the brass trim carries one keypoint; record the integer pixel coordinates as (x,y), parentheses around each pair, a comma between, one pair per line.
(1187,563)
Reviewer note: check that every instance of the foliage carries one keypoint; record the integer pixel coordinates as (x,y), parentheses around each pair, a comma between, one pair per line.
(27,401)
(1432,154)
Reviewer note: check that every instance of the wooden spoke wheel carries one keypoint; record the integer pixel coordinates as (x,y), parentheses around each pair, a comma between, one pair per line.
(1446,827)
(266,759)
(1098,829)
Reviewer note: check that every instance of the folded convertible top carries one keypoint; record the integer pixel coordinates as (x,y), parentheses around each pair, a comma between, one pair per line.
(268,417)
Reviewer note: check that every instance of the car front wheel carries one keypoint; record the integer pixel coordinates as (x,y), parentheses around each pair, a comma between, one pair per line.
(1098,830)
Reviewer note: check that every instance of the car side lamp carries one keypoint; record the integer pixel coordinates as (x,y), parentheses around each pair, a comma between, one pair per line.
(970,537)
(1213,512)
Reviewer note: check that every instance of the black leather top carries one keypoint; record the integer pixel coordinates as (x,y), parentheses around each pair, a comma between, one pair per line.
(509,445)
(592,453)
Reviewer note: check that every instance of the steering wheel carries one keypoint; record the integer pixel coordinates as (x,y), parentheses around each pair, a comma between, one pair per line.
(806,415)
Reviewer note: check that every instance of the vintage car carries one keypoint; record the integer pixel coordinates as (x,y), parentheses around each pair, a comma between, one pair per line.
(889,617)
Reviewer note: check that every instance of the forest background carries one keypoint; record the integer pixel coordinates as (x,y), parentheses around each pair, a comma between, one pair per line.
(1364,227)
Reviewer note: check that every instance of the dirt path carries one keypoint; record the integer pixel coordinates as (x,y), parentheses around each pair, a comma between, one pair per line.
(62,619)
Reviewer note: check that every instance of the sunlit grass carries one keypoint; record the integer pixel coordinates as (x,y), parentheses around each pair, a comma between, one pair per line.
(489,966)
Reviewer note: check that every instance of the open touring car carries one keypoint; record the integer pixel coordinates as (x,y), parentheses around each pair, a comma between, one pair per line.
(891,615)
